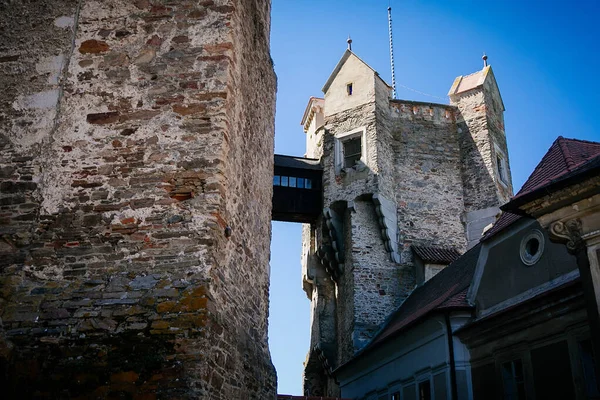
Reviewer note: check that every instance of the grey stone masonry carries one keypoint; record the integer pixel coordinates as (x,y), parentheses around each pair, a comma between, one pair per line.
(134,239)
(428,175)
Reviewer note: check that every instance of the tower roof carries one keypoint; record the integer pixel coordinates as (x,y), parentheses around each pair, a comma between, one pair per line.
(465,83)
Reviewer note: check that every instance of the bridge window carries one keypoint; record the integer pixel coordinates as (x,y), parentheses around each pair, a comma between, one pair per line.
(292,181)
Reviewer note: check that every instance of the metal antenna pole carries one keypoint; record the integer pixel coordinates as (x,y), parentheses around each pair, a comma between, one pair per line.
(392,53)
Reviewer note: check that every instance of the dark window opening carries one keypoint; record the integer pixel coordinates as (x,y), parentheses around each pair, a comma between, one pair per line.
(532,247)
(352,151)
(425,390)
(349,89)
(513,382)
(292,181)
(502,173)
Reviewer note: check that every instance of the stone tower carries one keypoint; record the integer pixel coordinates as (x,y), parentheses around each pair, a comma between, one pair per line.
(397,175)
(134,236)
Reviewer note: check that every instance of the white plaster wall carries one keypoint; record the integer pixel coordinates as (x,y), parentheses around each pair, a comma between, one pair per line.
(363,87)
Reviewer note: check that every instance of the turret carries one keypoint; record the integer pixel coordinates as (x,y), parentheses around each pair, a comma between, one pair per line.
(485,167)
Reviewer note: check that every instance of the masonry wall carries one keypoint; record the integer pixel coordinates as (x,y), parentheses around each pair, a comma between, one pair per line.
(135,239)
(427,171)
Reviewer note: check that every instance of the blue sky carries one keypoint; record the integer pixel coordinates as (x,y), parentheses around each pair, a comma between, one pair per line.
(544,53)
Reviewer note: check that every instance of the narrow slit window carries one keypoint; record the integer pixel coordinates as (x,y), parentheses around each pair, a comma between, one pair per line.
(349,89)
(284,181)
(308,183)
(502,173)
(300,183)
(292,181)
(276,180)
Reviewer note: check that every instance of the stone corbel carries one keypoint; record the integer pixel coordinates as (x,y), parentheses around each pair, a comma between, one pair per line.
(335,228)
(568,232)
(388,222)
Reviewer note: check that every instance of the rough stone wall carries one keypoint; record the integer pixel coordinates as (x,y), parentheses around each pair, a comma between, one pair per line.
(480,124)
(132,137)
(376,279)
(354,182)
(428,187)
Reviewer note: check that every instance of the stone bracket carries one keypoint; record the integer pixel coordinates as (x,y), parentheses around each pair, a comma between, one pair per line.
(388,222)
(335,228)
(568,232)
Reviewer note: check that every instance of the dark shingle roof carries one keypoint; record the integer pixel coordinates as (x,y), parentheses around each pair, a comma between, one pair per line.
(297,162)
(440,255)
(564,156)
(448,289)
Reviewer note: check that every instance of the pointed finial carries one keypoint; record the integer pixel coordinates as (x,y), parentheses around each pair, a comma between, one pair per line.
(349,41)
(484,58)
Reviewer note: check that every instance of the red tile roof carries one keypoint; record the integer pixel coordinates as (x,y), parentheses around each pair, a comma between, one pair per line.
(446,290)
(564,156)
(441,255)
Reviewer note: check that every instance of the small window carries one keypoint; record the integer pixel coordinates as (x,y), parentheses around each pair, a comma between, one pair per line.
(352,151)
(513,382)
(308,183)
(300,183)
(349,89)
(284,181)
(396,396)
(425,390)
(502,168)
(532,247)
(276,180)
(292,181)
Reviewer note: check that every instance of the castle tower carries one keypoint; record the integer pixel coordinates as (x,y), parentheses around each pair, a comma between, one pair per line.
(397,189)
(134,238)
(486,170)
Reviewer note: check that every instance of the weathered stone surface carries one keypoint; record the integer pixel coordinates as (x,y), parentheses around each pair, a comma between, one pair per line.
(437,167)
(126,132)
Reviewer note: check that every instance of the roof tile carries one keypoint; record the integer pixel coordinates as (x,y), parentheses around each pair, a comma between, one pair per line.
(564,156)
(441,255)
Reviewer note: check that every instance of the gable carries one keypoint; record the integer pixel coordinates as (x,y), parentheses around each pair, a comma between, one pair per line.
(504,278)
(352,71)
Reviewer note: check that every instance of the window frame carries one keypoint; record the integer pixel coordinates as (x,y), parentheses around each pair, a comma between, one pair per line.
(340,138)
(501,166)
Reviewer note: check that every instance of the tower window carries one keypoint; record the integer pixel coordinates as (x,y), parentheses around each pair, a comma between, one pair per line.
(352,151)
(501,167)
(349,89)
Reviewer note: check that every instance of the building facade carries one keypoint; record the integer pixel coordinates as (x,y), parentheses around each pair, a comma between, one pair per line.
(396,175)
(133,250)
(515,316)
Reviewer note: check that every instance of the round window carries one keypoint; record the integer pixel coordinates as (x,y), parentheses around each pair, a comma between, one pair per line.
(532,247)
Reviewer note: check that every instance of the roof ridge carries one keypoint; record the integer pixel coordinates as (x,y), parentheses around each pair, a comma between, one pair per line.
(578,140)
(564,149)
